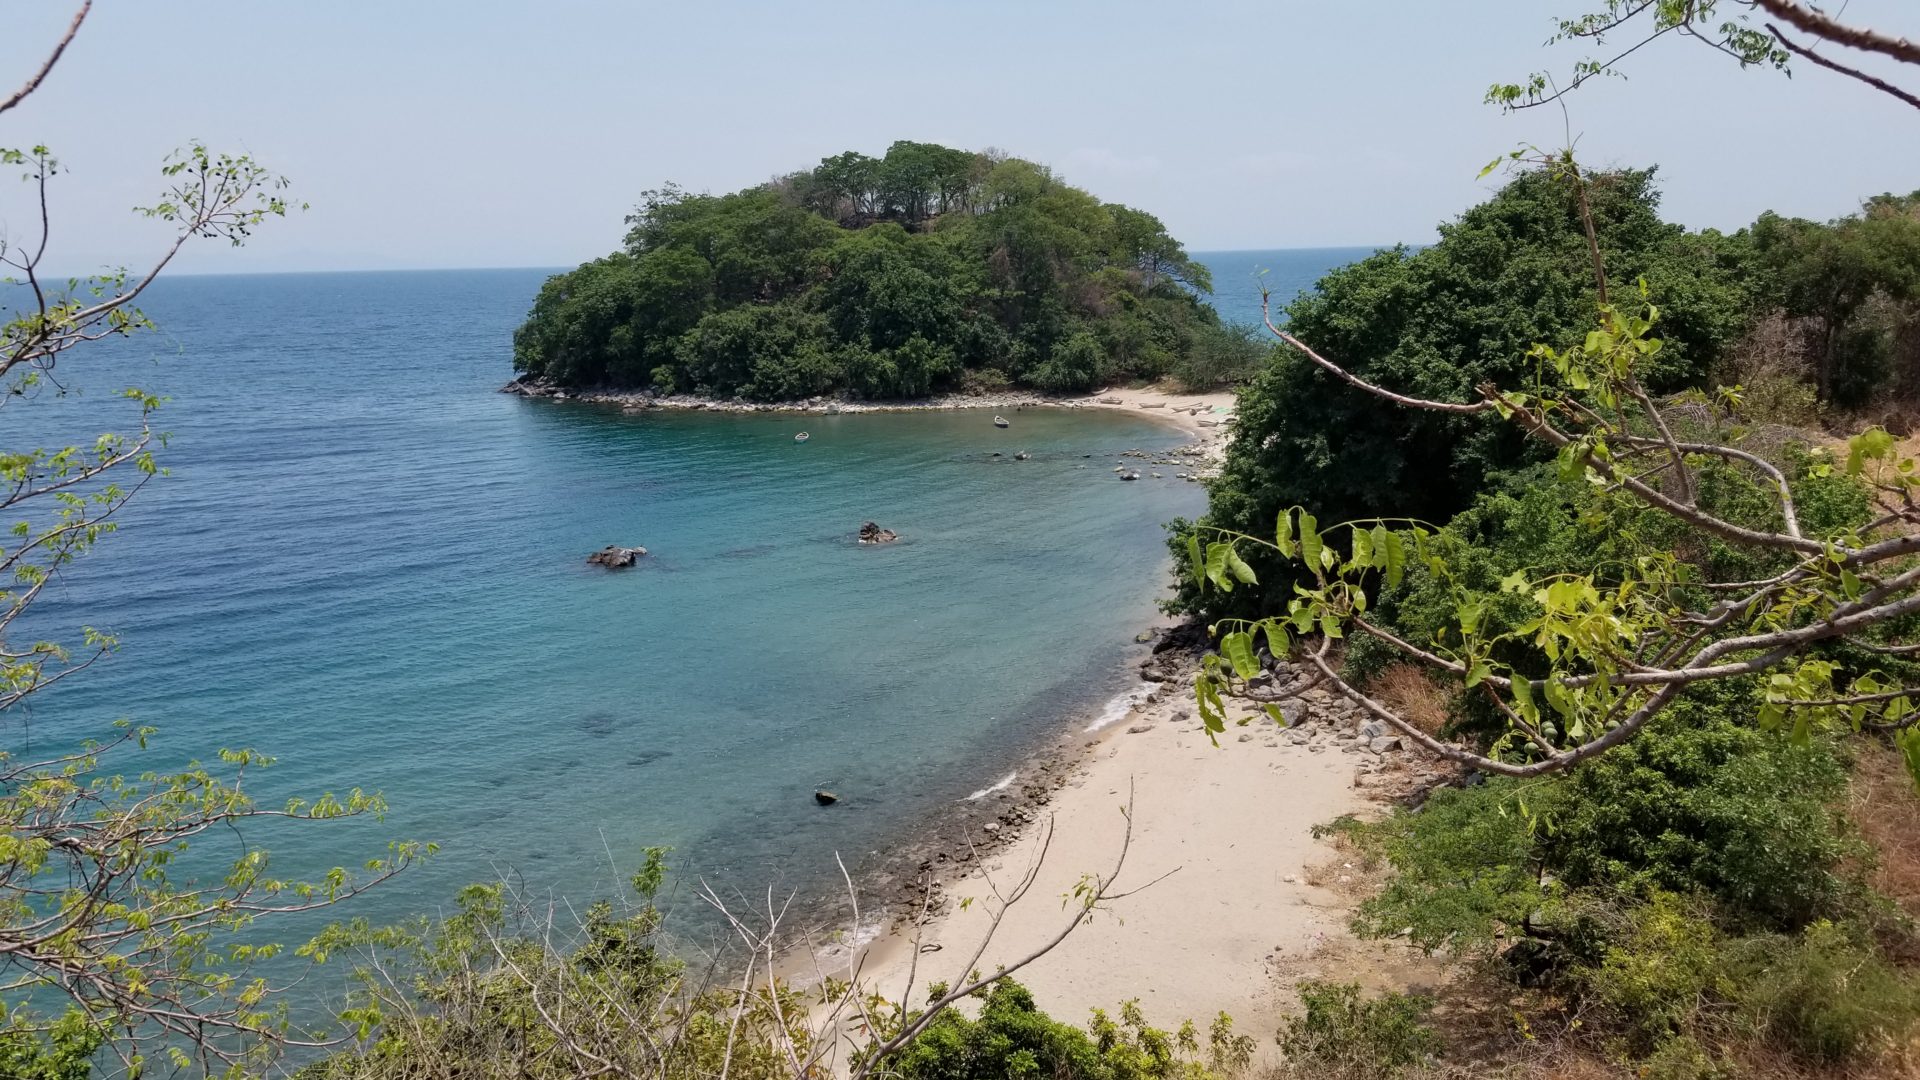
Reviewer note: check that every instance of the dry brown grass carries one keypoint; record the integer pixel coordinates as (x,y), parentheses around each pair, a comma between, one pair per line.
(1887,812)
(1406,689)
(1353,873)
(1884,807)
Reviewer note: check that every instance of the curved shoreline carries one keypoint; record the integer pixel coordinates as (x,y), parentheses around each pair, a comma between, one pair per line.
(1207,417)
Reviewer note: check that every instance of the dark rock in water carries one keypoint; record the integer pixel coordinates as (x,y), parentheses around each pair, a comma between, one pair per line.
(597,723)
(871,533)
(615,557)
(1129,476)
(825,797)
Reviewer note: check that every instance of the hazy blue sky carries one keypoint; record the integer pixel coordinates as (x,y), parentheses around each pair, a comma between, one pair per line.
(486,133)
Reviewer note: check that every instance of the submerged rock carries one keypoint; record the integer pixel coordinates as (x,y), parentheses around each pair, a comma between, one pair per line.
(615,557)
(871,533)
(825,797)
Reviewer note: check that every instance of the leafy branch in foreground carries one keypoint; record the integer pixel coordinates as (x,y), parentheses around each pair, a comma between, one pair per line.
(102,904)
(1604,653)
(1726,26)
(128,903)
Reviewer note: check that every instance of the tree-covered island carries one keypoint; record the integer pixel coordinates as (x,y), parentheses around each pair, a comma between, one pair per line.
(928,269)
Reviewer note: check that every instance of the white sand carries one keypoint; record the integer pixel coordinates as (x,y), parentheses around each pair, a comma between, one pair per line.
(1232,825)
(1203,415)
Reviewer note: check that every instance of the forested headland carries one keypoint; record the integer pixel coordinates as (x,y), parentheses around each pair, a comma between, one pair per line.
(925,270)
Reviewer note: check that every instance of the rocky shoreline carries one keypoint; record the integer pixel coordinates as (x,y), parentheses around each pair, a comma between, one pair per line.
(1207,417)
(644,400)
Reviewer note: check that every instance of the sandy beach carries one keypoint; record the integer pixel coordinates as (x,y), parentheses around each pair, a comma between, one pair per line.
(1207,417)
(1204,416)
(1237,899)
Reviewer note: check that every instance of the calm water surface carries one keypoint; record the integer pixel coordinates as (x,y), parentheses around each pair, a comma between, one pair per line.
(369,564)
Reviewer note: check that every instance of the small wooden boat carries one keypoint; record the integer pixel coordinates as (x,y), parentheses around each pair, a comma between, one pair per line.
(802,437)
(1001,421)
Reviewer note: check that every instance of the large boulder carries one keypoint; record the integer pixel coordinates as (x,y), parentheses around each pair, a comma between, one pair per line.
(614,557)
(870,533)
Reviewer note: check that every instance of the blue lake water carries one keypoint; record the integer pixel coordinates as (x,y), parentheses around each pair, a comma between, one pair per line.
(1239,275)
(368,564)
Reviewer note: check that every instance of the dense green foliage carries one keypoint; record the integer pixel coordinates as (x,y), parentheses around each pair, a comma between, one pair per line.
(1698,884)
(1014,1040)
(1691,890)
(1340,1034)
(883,277)
(1535,519)
(1437,323)
(1701,806)
(1842,300)
(1853,286)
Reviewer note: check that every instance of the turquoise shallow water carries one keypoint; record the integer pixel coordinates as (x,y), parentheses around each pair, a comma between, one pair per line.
(370,565)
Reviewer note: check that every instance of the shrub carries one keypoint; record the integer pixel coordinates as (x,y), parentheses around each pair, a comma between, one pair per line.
(1341,1034)
(1823,995)
(1014,1040)
(985,381)
(1078,363)
(1663,969)
(1708,806)
(663,380)
(1465,870)
(1222,356)
(1700,805)
(63,1050)
(1682,1058)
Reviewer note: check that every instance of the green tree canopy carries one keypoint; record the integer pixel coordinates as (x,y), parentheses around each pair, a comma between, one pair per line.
(881,277)
(1442,321)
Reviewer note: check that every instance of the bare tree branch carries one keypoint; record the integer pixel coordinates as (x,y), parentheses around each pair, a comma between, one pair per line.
(60,47)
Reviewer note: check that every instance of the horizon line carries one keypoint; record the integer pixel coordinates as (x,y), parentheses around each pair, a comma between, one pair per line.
(563,267)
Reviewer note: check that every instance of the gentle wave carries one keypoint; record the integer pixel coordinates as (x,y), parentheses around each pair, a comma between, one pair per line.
(1005,783)
(1117,709)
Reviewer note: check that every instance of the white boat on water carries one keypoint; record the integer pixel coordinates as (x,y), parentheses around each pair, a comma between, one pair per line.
(802,437)
(1001,421)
